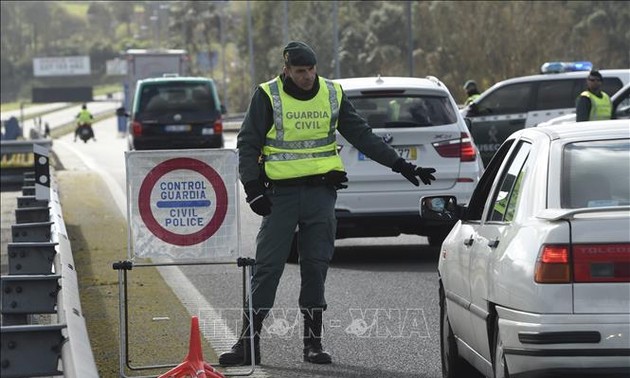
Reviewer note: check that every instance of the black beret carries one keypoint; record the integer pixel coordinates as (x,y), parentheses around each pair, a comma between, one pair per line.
(468,83)
(297,53)
(595,73)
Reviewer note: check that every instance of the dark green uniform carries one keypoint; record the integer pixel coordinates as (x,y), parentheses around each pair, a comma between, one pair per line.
(309,207)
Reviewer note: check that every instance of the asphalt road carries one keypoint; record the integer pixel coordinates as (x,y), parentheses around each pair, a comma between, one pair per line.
(383,316)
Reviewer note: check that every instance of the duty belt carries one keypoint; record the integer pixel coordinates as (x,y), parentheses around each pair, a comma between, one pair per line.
(314,180)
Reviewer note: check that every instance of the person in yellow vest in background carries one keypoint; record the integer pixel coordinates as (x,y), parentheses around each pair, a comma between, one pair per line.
(393,110)
(84,119)
(472,91)
(593,104)
(396,106)
(291,170)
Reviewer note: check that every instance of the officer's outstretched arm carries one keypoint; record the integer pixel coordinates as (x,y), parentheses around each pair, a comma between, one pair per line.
(410,171)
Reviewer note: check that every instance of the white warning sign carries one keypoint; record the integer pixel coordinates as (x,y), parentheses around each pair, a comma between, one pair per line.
(182,205)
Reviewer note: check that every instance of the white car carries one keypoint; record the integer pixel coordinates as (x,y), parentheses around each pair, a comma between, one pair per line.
(534,277)
(420,119)
(620,109)
(522,102)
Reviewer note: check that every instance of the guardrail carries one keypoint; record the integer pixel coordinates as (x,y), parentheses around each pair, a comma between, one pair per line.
(43,330)
(234,117)
(17,158)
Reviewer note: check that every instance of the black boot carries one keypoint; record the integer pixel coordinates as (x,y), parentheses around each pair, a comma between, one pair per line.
(240,354)
(313,350)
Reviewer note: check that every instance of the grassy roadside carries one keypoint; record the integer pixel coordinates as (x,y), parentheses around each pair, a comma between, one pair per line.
(159,325)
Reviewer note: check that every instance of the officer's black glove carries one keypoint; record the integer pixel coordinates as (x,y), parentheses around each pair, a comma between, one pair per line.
(256,198)
(410,171)
(336,179)
(426,175)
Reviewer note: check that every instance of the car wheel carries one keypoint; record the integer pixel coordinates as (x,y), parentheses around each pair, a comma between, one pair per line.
(499,367)
(451,361)
(293,254)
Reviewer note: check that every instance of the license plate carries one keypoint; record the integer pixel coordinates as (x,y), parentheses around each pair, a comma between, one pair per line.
(176,128)
(405,152)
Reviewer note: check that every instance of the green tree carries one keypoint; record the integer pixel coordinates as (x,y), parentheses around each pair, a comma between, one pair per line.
(487,41)
(123,12)
(600,33)
(386,41)
(100,20)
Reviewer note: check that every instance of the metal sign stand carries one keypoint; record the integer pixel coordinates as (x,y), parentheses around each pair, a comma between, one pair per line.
(124,266)
(166,170)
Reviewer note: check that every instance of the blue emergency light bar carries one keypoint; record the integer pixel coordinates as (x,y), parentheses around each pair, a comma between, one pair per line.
(558,67)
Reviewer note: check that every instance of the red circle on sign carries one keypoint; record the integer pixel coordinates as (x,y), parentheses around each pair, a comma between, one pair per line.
(144,201)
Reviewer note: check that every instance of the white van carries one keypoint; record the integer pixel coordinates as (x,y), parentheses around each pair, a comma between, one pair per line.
(522,102)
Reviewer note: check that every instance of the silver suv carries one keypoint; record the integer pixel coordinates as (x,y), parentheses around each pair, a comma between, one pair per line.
(419,118)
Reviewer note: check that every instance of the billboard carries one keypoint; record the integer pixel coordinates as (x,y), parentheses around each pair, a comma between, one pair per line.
(61,66)
(116,67)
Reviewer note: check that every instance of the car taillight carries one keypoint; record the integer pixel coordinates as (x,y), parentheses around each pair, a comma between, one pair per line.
(218,126)
(467,148)
(588,263)
(552,265)
(461,148)
(601,262)
(136,128)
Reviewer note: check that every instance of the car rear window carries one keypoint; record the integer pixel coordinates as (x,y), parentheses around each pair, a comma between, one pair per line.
(404,111)
(596,174)
(176,97)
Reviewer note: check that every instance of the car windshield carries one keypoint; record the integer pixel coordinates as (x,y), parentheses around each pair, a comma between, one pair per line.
(405,111)
(176,97)
(595,174)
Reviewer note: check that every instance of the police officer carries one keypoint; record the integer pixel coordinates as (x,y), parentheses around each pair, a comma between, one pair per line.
(472,91)
(593,103)
(84,118)
(291,170)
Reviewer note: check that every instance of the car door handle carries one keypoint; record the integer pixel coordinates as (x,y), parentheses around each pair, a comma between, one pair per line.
(493,243)
(468,242)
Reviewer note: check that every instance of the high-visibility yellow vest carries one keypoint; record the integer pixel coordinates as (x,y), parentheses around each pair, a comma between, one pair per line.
(84,116)
(471,98)
(301,141)
(601,108)
(394,110)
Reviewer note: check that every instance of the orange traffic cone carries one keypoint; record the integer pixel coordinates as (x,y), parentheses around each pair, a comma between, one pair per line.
(193,365)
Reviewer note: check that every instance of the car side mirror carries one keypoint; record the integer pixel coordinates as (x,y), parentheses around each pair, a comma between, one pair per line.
(122,112)
(223,109)
(441,208)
